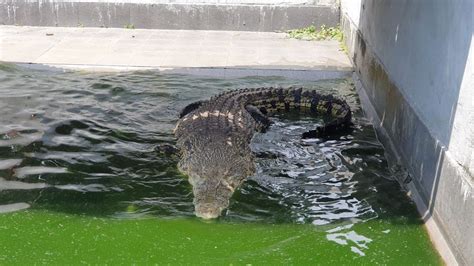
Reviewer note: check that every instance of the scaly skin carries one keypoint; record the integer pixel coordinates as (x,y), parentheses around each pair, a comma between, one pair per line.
(214,137)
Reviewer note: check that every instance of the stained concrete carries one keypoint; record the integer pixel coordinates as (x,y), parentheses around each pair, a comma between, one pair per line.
(222,53)
(255,15)
(414,60)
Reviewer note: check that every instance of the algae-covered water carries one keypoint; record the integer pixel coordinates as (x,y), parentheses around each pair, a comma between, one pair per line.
(81,180)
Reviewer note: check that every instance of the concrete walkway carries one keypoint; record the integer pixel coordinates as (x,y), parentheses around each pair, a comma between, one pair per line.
(101,48)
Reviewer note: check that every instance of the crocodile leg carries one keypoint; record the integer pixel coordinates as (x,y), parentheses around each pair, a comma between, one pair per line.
(333,128)
(263,122)
(167,149)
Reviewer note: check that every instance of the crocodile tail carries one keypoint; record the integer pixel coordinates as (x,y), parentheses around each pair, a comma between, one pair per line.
(310,102)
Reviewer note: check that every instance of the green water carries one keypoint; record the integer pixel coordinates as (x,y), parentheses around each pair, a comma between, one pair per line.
(45,237)
(81,181)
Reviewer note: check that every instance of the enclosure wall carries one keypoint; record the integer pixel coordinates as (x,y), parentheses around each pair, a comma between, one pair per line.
(415,63)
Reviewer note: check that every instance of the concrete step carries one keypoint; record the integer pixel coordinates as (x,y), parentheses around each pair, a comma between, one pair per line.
(223,53)
(232,15)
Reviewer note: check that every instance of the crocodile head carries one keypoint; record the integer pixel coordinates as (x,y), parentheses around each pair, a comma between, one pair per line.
(215,172)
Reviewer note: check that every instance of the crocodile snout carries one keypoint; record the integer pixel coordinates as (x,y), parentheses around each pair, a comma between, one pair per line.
(208,211)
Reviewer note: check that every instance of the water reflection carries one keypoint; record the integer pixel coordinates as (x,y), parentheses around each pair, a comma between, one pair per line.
(344,236)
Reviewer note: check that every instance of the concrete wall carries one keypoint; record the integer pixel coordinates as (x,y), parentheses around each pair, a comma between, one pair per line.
(242,15)
(415,62)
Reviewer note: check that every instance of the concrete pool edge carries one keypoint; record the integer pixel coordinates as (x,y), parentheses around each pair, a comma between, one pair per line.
(121,49)
(217,72)
(441,187)
(435,232)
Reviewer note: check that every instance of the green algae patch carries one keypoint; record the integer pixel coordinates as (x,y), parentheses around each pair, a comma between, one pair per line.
(33,236)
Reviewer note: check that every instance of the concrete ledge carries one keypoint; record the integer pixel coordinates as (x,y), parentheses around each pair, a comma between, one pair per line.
(216,51)
(441,188)
(217,72)
(147,15)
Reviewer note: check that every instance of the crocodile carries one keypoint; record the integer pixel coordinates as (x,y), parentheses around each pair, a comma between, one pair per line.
(213,137)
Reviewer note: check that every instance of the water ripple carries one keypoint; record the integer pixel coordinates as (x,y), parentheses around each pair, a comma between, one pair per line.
(85,143)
